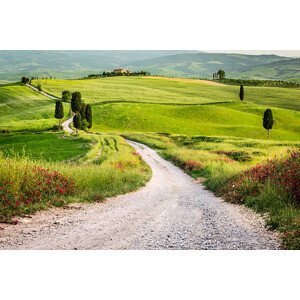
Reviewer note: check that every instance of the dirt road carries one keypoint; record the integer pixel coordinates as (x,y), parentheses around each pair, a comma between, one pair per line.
(171,212)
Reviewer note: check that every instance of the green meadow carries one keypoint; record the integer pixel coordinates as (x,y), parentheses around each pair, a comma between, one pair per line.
(44,146)
(201,126)
(183,106)
(169,90)
(21,108)
(231,119)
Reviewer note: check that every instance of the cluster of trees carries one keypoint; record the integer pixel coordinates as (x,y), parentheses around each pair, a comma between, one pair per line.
(27,80)
(256,82)
(82,112)
(112,74)
(220,75)
(35,77)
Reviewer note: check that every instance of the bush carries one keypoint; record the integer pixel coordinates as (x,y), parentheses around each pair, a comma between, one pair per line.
(4,131)
(57,128)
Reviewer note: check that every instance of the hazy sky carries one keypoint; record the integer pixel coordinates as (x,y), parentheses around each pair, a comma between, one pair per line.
(290,53)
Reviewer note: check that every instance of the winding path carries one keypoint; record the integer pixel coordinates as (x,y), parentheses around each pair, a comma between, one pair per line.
(67,123)
(172,211)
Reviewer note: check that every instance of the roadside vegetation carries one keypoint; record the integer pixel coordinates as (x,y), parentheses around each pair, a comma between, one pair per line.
(101,166)
(263,175)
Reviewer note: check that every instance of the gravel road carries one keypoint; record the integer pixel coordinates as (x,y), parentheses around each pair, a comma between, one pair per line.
(171,212)
(43,93)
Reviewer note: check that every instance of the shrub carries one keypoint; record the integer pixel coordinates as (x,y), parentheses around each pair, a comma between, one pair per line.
(57,128)
(66,96)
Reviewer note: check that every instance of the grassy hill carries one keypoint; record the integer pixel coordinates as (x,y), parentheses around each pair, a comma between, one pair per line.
(22,108)
(169,90)
(183,106)
(201,126)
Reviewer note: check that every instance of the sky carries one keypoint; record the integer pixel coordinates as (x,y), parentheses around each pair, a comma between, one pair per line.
(289,53)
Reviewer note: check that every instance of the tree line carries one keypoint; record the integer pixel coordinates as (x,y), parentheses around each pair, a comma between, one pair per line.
(256,82)
(220,76)
(112,74)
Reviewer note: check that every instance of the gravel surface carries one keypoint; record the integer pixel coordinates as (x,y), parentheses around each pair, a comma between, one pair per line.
(171,212)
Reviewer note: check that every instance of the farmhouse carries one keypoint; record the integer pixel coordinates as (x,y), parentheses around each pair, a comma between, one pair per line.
(122,71)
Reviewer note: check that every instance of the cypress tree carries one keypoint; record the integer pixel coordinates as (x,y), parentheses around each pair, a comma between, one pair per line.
(83,111)
(242,93)
(89,116)
(76,102)
(25,80)
(77,122)
(59,111)
(268,120)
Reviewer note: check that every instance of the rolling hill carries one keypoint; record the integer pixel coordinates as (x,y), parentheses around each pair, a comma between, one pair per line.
(181,63)
(21,108)
(236,66)
(69,63)
(183,106)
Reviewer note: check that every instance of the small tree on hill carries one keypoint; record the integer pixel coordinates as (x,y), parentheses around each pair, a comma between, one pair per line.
(268,120)
(77,122)
(59,111)
(89,116)
(25,80)
(39,87)
(221,74)
(242,93)
(66,96)
(76,102)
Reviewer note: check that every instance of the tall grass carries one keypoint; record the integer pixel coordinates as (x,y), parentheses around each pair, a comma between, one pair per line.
(109,168)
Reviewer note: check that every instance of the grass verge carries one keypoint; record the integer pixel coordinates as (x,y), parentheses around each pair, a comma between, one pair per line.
(263,175)
(109,167)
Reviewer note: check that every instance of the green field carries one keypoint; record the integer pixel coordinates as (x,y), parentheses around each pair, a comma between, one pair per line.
(201,126)
(44,146)
(232,119)
(175,91)
(183,106)
(22,108)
